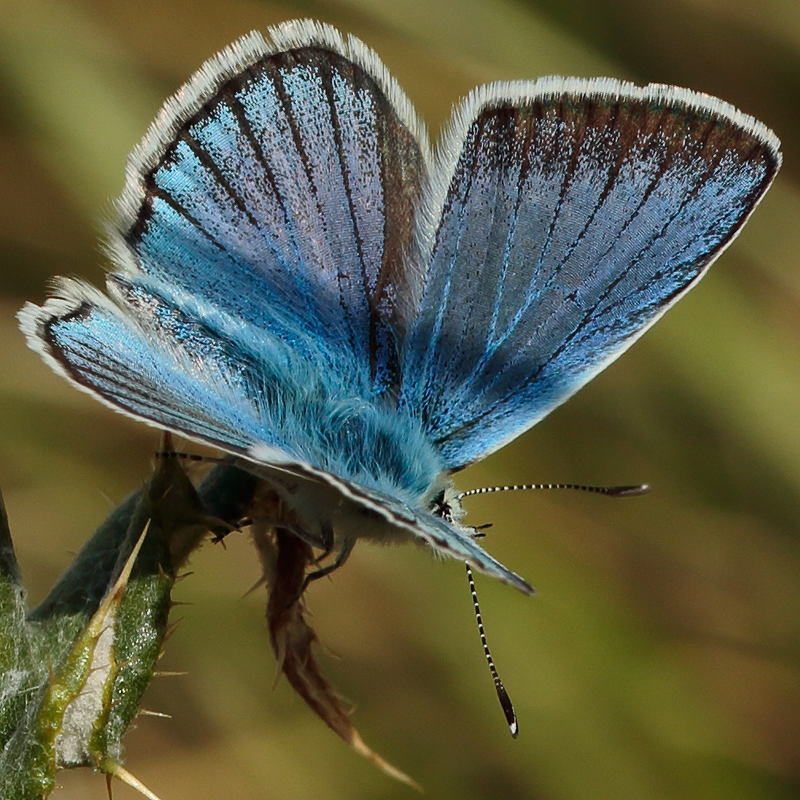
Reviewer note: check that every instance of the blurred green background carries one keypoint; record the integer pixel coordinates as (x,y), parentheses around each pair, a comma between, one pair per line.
(662,656)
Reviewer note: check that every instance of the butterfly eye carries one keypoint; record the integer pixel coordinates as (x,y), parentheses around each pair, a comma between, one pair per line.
(441,508)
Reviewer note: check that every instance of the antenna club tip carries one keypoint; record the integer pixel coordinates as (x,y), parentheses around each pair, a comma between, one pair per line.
(629,491)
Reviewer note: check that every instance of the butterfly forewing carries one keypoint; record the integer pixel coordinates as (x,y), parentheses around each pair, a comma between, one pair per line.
(285,190)
(569,221)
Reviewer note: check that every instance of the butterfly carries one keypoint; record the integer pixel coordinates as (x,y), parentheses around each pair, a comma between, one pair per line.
(302,282)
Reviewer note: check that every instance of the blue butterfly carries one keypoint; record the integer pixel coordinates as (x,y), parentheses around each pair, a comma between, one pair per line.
(302,283)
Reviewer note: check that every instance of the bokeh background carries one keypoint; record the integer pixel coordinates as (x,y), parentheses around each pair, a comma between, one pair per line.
(661,659)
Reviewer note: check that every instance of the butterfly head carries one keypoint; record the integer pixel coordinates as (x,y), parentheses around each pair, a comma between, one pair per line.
(446,504)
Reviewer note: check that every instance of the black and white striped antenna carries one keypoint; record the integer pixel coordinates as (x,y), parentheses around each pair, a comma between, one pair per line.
(608,491)
(502,694)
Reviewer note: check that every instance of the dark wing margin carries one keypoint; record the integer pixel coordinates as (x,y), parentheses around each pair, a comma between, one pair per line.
(281,180)
(571,215)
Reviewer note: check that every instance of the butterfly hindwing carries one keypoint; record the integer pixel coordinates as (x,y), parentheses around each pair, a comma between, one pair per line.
(187,385)
(180,377)
(571,215)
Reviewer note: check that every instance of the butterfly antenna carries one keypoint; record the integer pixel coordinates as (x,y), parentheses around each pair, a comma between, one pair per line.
(608,491)
(502,694)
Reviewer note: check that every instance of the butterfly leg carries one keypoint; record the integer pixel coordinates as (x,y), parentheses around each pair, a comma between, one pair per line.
(327,542)
(344,554)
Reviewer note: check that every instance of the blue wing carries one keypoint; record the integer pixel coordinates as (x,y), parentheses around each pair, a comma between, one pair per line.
(274,246)
(271,408)
(209,376)
(280,182)
(571,215)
